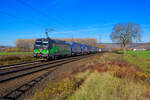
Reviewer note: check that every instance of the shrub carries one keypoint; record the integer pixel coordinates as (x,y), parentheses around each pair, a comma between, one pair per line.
(104,86)
(9,57)
(58,90)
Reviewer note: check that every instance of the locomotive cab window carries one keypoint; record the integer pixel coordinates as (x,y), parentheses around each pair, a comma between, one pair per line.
(45,43)
(38,43)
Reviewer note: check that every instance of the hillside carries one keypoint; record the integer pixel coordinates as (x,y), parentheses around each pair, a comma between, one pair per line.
(109,46)
(145,46)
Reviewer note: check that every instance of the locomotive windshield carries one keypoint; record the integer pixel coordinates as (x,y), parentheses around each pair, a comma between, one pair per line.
(41,42)
(38,42)
(44,42)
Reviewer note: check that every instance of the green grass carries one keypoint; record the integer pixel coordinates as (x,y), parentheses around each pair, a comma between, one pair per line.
(14,53)
(143,54)
(139,58)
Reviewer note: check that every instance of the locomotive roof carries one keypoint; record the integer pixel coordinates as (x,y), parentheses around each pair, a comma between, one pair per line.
(41,39)
(58,41)
(73,43)
(64,42)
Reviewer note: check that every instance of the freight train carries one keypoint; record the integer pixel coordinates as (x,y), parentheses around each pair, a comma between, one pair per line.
(48,48)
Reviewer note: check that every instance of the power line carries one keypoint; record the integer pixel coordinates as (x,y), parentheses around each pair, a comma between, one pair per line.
(37,10)
(10,15)
(16,17)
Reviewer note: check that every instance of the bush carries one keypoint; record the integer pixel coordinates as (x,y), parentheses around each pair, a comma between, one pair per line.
(13,59)
(58,90)
(9,57)
(104,86)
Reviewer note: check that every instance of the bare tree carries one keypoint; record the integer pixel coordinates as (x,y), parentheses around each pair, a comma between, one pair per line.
(125,33)
(25,44)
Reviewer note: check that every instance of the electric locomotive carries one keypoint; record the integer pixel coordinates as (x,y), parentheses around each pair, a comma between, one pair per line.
(50,49)
(47,48)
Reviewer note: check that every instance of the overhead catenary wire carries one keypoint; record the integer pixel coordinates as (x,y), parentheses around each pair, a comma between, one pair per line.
(8,14)
(38,11)
(18,18)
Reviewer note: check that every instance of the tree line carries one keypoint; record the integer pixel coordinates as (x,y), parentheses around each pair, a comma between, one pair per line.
(27,45)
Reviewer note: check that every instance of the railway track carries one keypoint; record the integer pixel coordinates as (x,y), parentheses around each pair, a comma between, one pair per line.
(12,73)
(19,64)
(9,74)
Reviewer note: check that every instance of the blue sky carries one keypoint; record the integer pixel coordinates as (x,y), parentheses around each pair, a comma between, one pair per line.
(82,18)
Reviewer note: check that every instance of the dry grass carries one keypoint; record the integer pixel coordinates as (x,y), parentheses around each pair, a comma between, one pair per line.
(113,78)
(12,59)
(120,67)
(107,77)
(62,89)
(104,86)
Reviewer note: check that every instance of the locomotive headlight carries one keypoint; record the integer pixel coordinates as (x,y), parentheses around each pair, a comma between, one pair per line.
(37,51)
(45,51)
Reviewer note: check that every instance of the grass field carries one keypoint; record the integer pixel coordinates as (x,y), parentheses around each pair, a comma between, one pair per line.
(143,54)
(111,76)
(139,58)
(7,58)
(14,53)
(104,86)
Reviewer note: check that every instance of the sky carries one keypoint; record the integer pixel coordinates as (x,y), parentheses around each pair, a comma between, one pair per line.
(27,19)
